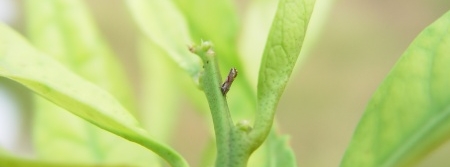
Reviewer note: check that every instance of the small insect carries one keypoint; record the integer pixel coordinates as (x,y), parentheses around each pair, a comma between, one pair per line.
(228,81)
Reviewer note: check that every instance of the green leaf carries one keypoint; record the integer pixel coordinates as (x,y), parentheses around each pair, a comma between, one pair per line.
(65,31)
(280,55)
(24,64)
(163,24)
(62,137)
(408,115)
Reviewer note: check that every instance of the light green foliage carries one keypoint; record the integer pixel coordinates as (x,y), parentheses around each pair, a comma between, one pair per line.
(82,71)
(236,143)
(75,71)
(64,30)
(408,115)
(233,144)
(29,67)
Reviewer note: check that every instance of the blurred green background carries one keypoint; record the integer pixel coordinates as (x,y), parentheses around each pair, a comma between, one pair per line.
(358,43)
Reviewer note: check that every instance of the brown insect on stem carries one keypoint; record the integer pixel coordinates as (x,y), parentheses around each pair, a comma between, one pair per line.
(228,81)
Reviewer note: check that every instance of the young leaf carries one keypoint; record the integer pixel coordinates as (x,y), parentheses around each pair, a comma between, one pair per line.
(408,115)
(24,64)
(280,55)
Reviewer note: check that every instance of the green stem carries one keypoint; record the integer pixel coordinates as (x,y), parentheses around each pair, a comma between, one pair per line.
(231,150)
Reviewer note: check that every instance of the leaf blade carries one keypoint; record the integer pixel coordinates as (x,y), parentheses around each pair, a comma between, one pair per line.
(29,67)
(280,54)
(65,30)
(407,115)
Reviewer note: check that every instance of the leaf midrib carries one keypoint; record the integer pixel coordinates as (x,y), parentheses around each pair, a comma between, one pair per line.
(415,139)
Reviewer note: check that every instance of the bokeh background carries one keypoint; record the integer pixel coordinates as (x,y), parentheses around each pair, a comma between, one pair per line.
(357,44)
